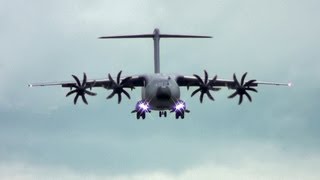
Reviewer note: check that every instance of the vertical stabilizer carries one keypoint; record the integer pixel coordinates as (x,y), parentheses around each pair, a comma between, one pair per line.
(156,46)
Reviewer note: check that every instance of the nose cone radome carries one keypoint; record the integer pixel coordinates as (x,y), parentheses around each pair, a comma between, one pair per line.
(163,93)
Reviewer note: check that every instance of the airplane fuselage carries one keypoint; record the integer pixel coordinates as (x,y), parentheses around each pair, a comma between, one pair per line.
(161,91)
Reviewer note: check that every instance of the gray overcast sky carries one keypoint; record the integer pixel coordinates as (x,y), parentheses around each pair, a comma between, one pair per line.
(44,136)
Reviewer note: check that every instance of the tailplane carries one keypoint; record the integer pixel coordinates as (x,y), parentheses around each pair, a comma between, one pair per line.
(156,39)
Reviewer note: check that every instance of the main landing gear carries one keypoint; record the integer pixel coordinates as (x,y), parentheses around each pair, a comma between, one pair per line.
(180,114)
(143,115)
(140,114)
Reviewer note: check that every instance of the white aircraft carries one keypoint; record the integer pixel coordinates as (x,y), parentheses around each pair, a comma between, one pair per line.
(159,92)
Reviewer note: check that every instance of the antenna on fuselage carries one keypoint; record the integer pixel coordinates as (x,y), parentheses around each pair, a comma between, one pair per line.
(156,41)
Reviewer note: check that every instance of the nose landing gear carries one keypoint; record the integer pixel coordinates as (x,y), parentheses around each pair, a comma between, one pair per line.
(162,113)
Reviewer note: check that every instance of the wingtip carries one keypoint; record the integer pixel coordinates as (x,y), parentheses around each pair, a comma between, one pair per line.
(290,84)
(30,85)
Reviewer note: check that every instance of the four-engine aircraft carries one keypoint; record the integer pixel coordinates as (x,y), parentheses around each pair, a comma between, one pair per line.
(160,92)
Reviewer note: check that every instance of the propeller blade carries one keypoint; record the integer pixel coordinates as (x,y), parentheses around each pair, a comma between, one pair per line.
(198,78)
(205,77)
(209,95)
(214,78)
(90,93)
(241,89)
(240,99)
(111,79)
(74,86)
(71,92)
(118,77)
(77,80)
(119,98)
(251,89)
(201,97)
(248,96)
(84,81)
(84,99)
(80,89)
(195,92)
(75,99)
(214,89)
(236,80)
(243,77)
(125,80)
(249,82)
(126,93)
(233,95)
(111,95)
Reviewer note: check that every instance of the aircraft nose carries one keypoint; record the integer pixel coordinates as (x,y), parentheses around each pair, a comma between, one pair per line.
(163,93)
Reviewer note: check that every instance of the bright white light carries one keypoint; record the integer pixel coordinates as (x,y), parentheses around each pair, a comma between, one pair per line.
(180,106)
(144,106)
(290,84)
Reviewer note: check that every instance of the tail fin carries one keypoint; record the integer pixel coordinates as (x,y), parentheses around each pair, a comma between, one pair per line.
(156,39)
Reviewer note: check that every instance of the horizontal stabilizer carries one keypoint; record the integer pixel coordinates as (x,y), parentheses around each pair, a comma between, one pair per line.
(152,35)
(128,36)
(182,36)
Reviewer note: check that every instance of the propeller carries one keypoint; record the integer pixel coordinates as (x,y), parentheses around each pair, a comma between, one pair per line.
(242,88)
(81,89)
(205,86)
(118,86)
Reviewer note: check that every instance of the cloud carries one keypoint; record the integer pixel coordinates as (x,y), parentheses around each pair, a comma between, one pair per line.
(250,165)
(43,135)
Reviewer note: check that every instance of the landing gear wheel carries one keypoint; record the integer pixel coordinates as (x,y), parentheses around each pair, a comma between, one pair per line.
(177,115)
(162,113)
(143,115)
(182,115)
(138,115)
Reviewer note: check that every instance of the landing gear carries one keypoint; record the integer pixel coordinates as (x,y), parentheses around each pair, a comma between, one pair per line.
(164,113)
(143,115)
(180,114)
(141,109)
(180,109)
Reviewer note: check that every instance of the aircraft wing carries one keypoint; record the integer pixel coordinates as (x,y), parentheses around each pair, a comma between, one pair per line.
(189,81)
(83,87)
(242,87)
(135,81)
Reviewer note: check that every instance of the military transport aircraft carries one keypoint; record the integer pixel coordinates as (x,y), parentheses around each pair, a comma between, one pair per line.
(159,92)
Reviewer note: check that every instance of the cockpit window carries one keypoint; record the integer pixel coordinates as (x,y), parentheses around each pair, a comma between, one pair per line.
(163,83)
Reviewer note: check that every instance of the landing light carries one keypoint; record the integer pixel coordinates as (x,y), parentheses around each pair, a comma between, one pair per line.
(180,106)
(143,106)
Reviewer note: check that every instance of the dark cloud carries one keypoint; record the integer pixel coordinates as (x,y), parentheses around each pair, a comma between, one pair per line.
(273,41)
